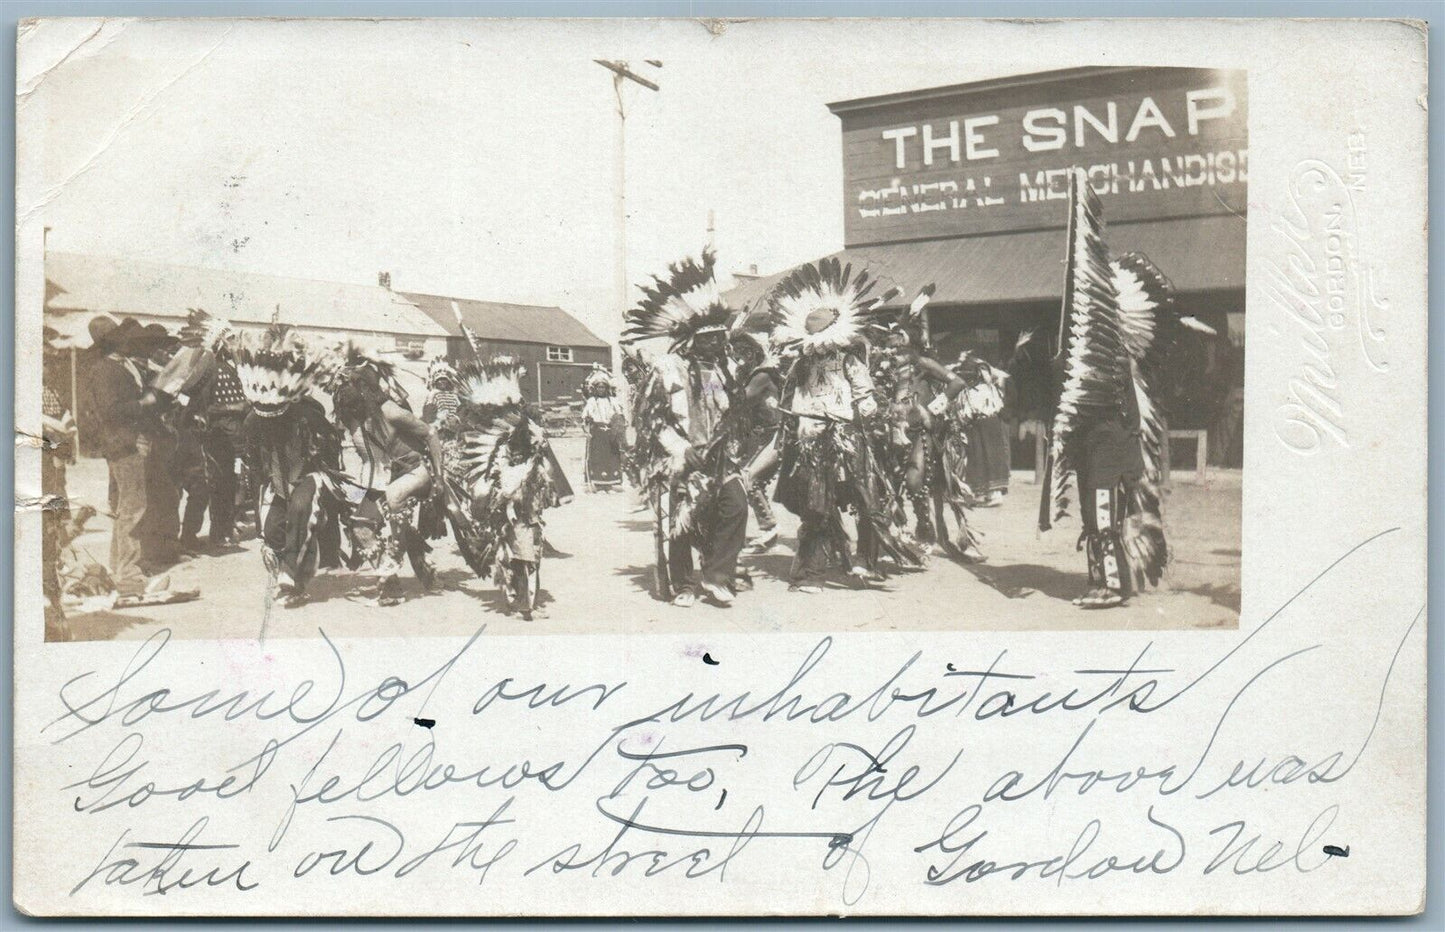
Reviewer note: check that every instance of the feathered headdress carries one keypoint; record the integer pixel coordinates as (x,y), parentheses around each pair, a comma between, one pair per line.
(494,382)
(505,473)
(598,383)
(913,319)
(439,369)
(275,368)
(1096,363)
(355,377)
(822,308)
(206,331)
(1117,323)
(681,307)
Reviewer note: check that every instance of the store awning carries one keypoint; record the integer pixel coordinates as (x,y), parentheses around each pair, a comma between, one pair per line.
(1196,254)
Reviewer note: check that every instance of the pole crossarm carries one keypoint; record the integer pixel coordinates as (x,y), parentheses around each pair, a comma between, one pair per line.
(621,70)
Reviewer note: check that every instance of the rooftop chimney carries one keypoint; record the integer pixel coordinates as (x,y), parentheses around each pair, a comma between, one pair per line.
(384,280)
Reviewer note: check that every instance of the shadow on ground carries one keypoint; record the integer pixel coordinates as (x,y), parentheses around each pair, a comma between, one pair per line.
(642,578)
(104,625)
(1223,596)
(1021,580)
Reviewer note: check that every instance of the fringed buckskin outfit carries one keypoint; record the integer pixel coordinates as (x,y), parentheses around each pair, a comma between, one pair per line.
(827,473)
(291,448)
(688,435)
(510,479)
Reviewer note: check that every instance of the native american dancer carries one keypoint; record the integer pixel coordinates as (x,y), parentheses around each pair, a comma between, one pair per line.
(290,446)
(605,423)
(1116,325)
(888,436)
(828,475)
(761,385)
(635,370)
(510,479)
(923,424)
(398,451)
(439,411)
(687,442)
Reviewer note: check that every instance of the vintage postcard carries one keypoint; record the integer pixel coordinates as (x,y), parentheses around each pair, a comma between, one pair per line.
(674,467)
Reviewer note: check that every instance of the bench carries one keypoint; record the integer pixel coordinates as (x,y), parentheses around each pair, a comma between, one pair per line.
(1201,454)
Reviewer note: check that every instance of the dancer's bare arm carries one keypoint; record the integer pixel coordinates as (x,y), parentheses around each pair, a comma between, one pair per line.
(419,431)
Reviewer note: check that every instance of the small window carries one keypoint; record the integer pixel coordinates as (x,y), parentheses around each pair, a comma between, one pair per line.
(411,347)
(559,354)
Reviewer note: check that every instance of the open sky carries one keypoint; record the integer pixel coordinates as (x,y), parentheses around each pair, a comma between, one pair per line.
(467,157)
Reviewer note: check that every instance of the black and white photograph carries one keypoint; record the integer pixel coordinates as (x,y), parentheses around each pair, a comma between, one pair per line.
(958,349)
(628,468)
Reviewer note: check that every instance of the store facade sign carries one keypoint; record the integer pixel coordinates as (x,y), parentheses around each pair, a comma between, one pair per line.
(1154,143)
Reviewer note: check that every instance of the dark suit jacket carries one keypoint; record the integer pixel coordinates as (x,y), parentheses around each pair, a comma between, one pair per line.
(119,414)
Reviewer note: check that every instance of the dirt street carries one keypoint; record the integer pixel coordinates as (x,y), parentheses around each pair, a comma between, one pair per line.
(599,578)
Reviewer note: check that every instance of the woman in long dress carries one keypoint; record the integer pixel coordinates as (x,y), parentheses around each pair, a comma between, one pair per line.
(603,419)
(980,407)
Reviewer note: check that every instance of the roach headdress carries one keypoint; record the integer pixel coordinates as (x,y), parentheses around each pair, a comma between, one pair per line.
(749,336)
(911,321)
(634,366)
(680,307)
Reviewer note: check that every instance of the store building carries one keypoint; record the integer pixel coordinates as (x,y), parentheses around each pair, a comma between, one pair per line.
(965,187)
(557,348)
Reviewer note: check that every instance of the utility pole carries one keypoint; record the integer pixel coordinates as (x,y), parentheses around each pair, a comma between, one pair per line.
(621,75)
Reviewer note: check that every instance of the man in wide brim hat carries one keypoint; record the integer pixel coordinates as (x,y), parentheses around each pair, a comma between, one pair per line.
(101,326)
(115,338)
(118,393)
(144,342)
